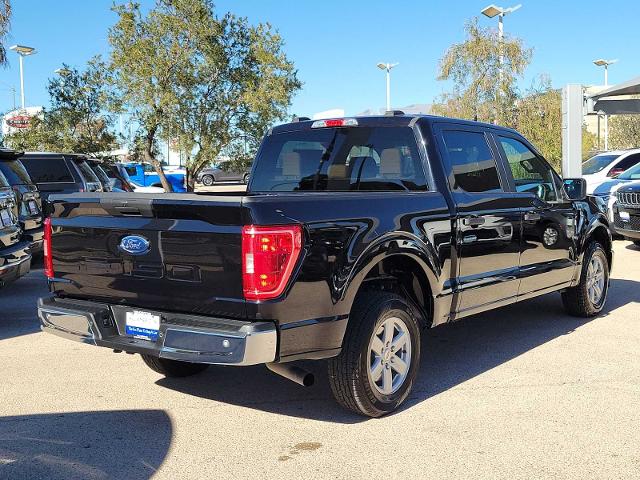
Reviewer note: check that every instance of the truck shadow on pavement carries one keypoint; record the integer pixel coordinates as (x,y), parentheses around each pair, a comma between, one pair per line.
(129,444)
(18,308)
(451,355)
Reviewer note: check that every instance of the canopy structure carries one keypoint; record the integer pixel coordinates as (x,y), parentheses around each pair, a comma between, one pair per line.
(604,102)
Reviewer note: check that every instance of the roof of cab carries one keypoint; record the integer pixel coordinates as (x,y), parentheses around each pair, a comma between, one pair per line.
(398,119)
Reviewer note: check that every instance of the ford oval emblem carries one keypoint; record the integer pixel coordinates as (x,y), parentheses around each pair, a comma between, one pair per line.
(134,245)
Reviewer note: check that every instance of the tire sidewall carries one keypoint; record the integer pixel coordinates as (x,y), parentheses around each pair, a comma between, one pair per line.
(595,249)
(208,180)
(374,318)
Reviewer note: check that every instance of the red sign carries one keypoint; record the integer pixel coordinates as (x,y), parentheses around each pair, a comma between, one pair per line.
(19,121)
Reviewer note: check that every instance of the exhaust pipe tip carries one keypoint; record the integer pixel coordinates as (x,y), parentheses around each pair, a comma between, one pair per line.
(293,373)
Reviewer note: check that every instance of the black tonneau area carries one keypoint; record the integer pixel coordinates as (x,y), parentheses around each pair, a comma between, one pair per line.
(192,262)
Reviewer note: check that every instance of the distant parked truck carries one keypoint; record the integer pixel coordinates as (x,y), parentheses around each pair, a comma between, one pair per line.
(145,174)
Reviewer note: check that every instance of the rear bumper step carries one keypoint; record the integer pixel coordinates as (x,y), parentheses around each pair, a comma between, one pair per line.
(184,337)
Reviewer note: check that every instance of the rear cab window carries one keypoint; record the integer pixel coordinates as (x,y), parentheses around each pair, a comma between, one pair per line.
(48,169)
(356,158)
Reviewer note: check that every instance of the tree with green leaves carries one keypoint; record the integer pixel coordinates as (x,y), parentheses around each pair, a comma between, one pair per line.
(483,88)
(207,82)
(5,23)
(624,131)
(78,119)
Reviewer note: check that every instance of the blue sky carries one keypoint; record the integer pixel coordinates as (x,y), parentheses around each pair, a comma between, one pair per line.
(336,44)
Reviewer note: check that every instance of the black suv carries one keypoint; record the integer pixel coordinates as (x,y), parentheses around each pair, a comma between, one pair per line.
(28,206)
(61,173)
(15,256)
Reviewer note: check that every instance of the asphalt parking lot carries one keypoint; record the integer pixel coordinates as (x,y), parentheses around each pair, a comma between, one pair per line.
(522,392)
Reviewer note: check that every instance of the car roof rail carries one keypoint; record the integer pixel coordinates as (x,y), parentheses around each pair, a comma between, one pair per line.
(393,113)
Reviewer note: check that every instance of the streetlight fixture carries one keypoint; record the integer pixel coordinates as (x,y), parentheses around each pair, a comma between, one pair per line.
(500,12)
(387,68)
(22,51)
(601,62)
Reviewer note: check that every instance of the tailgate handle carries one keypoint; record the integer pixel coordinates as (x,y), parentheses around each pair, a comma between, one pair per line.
(473,221)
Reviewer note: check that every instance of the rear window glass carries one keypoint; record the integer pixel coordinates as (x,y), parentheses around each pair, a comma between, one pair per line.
(48,170)
(15,172)
(340,159)
(597,163)
(87,173)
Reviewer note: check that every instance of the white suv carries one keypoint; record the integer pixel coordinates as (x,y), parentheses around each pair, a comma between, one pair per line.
(606,165)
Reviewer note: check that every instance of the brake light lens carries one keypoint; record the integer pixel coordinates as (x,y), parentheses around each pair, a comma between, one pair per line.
(269,255)
(335,122)
(48,259)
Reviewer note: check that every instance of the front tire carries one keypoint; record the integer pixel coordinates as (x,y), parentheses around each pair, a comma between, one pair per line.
(588,297)
(208,180)
(173,368)
(380,355)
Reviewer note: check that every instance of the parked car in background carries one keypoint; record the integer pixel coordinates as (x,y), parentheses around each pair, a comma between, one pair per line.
(60,173)
(344,253)
(145,175)
(222,173)
(15,251)
(119,176)
(28,206)
(105,181)
(607,165)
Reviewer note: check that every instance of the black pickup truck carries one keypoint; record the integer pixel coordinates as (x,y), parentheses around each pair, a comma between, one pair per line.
(354,235)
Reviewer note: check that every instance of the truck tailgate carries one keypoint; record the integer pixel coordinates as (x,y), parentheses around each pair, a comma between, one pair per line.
(175,252)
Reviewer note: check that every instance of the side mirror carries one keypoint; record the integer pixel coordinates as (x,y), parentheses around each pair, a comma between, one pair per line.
(575,188)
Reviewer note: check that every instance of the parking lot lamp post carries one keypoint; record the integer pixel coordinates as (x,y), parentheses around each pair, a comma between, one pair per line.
(22,51)
(601,62)
(387,68)
(500,12)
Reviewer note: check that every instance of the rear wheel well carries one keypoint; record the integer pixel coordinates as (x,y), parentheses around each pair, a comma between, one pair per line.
(601,235)
(403,275)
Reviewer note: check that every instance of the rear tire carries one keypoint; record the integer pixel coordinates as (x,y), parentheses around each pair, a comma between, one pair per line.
(173,368)
(245,179)
(367,376)
(208,180)
(588,297)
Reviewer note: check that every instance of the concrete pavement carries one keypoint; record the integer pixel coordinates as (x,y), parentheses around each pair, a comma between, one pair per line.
(521,392)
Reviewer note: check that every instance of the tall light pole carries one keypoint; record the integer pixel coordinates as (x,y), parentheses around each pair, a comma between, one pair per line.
(387,67)
(22,51)
(500,12)
(601,62)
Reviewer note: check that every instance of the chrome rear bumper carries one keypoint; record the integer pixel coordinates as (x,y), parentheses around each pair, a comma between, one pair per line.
(184,337)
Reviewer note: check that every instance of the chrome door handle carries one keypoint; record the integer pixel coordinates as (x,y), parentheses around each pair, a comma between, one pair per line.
(532,217)
(473,221)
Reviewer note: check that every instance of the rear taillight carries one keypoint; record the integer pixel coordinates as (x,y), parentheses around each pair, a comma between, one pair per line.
(269,255)
(48,259)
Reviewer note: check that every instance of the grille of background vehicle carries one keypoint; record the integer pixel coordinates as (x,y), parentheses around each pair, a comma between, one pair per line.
(632,224)
(628,198)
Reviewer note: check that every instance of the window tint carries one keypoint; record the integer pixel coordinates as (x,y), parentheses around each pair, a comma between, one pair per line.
(47,169)
(87,173)
(340,159)
(530,173)
(3,181)
(131,170)
(15,172)
(632,174)
(473,165)
(627,162)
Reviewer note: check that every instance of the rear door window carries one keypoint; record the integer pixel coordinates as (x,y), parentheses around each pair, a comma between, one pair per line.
(472,163)
(340,159)
(48,169)
(15,172)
